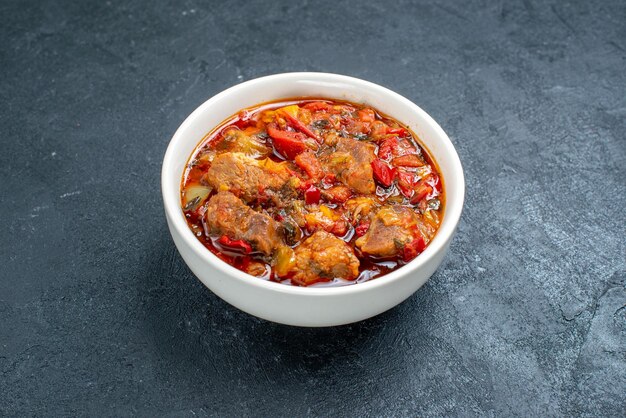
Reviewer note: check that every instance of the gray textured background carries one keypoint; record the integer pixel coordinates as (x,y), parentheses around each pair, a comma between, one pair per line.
(99,315)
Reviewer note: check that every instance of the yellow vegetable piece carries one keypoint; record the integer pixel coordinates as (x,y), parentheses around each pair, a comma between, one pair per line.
(328,212)
(432,218)
(196,194)
(285,260)
(268,116)
(291,110)
(273,166)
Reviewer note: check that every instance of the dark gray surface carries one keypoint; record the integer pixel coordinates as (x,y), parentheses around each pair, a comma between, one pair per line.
(99,315)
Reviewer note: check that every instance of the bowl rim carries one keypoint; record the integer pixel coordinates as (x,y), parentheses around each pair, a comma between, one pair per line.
(175,216)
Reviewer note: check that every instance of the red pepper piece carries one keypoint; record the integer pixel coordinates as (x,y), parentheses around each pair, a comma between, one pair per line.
(312,195)
(243,120)
(297,125)
(361,229)
(422,190)
(401,132)
(288,144)
(198,213)
(239,245)
(406,181)
(382,172)
(306,184)
(413,249)
(329,179)
(394,147)
(410,160)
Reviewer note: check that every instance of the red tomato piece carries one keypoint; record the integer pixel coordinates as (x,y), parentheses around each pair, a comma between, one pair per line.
(395,147)
(436,182)
(312,195)
(366,115)
(413,249)
(409,160)
(309,163)
(404,148)
(340,228)
(317,106)
(382,172)
(385,150)
(288,144)
(329,179)
(361,229)
(338,194)
(406,181)
(401,132)
(422,190)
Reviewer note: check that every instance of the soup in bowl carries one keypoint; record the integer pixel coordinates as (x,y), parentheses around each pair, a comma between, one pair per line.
(311,199)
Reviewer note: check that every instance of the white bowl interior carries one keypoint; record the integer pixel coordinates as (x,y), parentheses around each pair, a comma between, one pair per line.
(290,85)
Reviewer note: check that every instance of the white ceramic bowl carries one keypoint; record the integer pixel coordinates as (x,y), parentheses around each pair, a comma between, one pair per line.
(303,306)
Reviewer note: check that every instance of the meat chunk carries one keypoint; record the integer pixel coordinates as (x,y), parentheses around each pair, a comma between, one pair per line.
(352,164)
(392,228)
(323,255)
(248,178)
(227,215)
